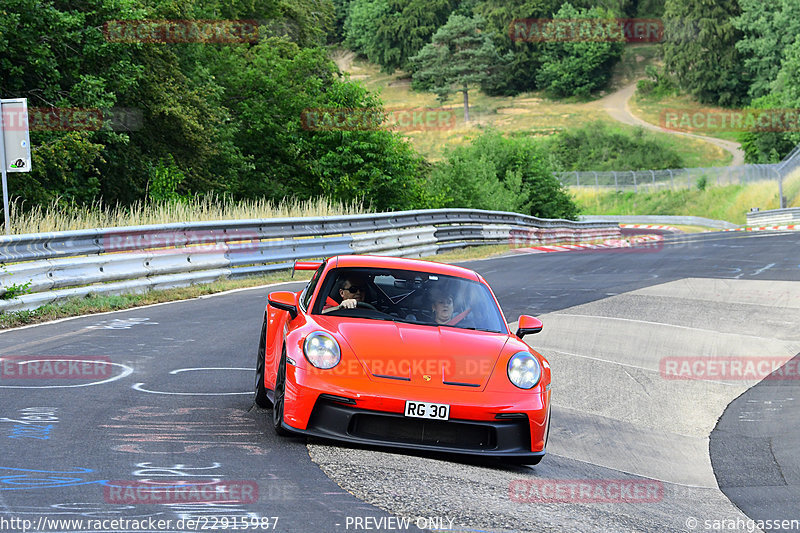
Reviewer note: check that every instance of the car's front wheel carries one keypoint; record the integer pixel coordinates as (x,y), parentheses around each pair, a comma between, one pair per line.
(260,396)
(280,396)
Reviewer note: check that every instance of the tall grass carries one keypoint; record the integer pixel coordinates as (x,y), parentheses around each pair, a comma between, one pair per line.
(728,202)
(57,217)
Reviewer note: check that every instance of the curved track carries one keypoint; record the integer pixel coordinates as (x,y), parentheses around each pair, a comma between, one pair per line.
(177,404)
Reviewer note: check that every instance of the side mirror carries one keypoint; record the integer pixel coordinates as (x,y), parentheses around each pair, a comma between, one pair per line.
(528,325)
(285,301)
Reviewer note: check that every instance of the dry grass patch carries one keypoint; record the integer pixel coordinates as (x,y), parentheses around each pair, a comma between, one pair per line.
(56,218)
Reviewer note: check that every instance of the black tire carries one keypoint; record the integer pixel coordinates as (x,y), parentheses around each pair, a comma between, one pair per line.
(280,395)
(260,397)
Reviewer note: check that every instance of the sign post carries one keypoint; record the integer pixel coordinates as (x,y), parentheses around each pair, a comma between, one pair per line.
(15,145)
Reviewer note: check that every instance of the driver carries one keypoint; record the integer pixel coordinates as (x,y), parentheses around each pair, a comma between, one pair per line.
(351,290)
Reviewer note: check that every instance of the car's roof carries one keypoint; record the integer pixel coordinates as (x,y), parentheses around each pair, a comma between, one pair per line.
(377,261)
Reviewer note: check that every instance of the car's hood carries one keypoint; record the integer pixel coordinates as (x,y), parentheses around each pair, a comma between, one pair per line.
(441,357)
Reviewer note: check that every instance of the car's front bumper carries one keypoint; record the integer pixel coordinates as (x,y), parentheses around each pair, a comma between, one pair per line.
(506,438)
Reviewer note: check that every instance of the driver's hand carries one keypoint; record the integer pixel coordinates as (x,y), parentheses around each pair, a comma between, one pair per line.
(350,303)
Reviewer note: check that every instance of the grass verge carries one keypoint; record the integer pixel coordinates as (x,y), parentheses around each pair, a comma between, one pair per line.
(651,110)
(103,303)
(57,217)
(726,202)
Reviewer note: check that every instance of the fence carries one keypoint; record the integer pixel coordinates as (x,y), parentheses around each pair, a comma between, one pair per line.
(140,258)
(650,180)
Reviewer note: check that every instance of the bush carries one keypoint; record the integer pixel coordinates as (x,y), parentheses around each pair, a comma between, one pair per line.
(498,173)
(768,146)
(658,85)
(600,147)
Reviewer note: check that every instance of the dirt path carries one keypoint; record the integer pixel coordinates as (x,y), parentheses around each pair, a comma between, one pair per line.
(616,105)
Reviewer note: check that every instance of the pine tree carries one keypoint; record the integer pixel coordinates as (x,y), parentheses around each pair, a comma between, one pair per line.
(459,55)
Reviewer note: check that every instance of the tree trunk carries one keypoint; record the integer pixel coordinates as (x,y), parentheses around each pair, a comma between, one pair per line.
(466,105)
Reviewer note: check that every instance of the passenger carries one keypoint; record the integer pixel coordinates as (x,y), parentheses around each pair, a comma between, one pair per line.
(442,304)
(443,307)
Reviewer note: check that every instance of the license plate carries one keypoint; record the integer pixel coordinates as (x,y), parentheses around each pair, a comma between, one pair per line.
(435,411)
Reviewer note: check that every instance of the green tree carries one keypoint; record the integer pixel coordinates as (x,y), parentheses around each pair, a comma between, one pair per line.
(77,67)
(459,55)
(340,10)
(390,32)
(700,50)
(768,29)
(772,146)
(577,68)
(275,83)
(359,27)
(520,60)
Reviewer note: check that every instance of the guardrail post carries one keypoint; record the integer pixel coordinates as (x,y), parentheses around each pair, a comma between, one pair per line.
(616,185)
(635,189)
(654,178)
(688,178)
(671,180)
(596,182)
(578,179)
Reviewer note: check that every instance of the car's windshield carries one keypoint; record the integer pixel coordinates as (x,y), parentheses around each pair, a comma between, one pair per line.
(408,296)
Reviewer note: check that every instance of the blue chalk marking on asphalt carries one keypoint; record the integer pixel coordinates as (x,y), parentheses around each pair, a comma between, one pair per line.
(28,482)
(31,431)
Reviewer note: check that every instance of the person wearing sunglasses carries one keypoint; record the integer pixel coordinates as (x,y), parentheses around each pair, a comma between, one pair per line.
(352,289)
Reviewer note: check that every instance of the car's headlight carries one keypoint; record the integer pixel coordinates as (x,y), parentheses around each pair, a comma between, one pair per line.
(322,350)
(524,370)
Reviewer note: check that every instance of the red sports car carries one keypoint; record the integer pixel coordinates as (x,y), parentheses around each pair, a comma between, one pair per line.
(402,353)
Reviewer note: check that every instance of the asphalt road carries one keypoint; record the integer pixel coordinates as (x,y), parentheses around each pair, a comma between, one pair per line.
(177,407)
(755,449)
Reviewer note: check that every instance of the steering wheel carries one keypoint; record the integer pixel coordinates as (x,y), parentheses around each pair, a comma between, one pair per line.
(365,305)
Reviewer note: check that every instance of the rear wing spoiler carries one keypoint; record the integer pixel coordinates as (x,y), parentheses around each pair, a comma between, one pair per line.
(306,265)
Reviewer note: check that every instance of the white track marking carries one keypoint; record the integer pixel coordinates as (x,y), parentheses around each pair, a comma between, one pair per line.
(140,386)
(126,372)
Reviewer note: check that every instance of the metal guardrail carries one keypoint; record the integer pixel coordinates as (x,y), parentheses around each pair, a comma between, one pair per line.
(681,178)
(140,258)
(774,217)
(661,219)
